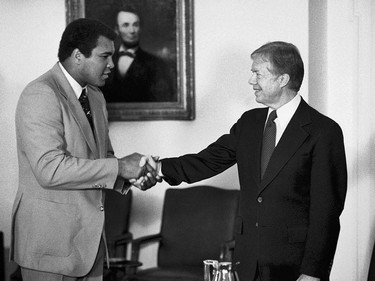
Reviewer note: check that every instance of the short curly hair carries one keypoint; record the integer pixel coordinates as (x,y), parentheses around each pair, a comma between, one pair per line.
(83,34)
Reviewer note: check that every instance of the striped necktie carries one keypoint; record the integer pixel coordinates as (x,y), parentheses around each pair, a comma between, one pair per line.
(83,99)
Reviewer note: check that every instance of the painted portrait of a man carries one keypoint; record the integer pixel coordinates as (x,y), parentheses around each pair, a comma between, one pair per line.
(152,75)
(138,75)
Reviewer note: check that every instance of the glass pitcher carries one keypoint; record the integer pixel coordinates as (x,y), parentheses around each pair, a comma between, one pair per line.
(211,268)
(219,271)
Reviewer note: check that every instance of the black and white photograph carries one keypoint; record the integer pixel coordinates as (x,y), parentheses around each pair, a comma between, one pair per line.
(190,140)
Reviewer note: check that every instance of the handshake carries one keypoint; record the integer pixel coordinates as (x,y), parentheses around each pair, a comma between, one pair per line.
(141,171)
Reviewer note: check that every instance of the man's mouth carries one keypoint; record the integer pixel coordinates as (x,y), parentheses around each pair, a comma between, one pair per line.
(106,74)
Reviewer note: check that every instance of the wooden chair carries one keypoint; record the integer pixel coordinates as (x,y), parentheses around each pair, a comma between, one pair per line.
(117,215)
(196,222)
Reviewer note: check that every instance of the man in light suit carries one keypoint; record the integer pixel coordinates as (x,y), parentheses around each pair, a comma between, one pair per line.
(288,222)
(66,161)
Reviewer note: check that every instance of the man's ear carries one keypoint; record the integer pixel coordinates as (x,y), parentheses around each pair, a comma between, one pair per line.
(77,55)
(284,80)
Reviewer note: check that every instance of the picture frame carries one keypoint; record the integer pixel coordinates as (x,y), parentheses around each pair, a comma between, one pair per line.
(173,20)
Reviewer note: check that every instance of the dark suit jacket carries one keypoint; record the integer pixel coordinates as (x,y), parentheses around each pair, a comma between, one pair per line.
(371,273)
(288,222)
(148,79)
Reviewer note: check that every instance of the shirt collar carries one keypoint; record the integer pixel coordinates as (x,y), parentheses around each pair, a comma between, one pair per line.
(286,112)
(77,88)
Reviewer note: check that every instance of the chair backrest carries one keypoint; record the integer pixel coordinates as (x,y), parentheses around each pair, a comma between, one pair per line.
(195,222)
(117,215)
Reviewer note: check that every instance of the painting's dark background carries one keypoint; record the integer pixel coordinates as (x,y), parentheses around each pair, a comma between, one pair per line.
(158,22)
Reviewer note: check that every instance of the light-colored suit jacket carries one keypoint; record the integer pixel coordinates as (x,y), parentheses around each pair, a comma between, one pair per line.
(58,213)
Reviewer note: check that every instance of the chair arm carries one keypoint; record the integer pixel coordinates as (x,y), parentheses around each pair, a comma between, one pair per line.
(122,239)
(136,244)
(226,250)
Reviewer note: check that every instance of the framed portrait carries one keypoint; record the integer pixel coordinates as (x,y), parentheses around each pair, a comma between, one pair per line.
(153,73)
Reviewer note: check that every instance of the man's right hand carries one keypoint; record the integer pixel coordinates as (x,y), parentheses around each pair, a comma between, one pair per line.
(132,166)
(151,177)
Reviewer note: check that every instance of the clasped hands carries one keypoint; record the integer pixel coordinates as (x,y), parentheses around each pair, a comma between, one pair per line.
(140,170)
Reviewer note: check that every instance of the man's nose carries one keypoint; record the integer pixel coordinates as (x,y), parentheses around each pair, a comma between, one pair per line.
(252,79)
(110,63)
(132,29)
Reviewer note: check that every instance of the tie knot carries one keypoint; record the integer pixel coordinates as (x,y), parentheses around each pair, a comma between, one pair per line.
(271,117)
(83,95)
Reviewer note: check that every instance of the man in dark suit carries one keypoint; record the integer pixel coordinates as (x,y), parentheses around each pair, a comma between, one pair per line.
(138,76)
(66,162)
(292,173)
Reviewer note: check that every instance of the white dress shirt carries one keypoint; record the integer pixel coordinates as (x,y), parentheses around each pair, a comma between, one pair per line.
(77,88)
(284,115)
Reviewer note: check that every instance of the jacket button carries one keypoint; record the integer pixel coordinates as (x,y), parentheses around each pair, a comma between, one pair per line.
(260,199)
(256,224)
(101,208)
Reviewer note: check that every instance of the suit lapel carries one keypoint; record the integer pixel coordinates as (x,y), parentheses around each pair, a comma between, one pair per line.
(292,138)
(255,145)
(75,107)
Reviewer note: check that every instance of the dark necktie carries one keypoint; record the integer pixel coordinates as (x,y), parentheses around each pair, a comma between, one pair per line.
(83,99)
(269,139)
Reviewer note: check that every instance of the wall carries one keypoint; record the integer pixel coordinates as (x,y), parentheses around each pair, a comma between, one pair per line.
(30,32)
(226,32)
(341,85)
